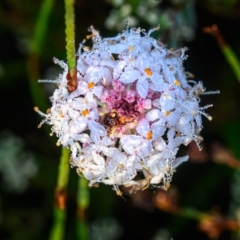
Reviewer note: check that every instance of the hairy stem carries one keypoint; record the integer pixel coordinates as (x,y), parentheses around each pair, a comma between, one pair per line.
(70,34)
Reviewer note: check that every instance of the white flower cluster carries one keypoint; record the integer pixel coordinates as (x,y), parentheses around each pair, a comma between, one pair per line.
(130,110)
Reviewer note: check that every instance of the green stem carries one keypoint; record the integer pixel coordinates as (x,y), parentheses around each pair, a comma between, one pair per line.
(59,216)
(226,49)
(63,169)
(232,60)
(70,33)
(83,191)
(192,214)
(57,232)
(83,200)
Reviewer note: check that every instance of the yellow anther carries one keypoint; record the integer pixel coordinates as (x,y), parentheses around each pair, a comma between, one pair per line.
(148,72)
(112,58)
(89,36)
(91,85)
(36,109)
(198,138)
(118,192)
(86,48)
(131,48)
(171,68)
(167,167)
(167,113)
(149,135)
(85,112)
(167,186)
(195,113)
(210,118)
(177,82)
(121,166)
(61,114)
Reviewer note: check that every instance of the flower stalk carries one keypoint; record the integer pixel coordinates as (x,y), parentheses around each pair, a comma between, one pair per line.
(70,34)
(83,200)
(63,172)
(57,231)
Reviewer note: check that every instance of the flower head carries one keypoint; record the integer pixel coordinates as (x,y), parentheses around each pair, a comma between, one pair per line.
(130,110)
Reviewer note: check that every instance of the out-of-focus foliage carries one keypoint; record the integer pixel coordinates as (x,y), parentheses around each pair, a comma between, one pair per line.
(177,20)
(16,165)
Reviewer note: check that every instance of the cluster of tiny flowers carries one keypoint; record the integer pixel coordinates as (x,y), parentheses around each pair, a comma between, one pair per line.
(129,111)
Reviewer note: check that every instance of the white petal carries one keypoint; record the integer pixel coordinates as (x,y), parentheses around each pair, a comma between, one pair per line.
(99,160)
(81,67)
(198,120)
(167,102)
(153,115)
(186,118)
(117,48)
(80,124)
(115,154)
(119,69)
(159,144)
(170,135)
(157,78)
(111,181)
(142,88)
(145,148)
(157,179)
(178,141)
(73,94)
(83,138)
(129,142)
(174,116)
(180,160)
(158,129)
(96,128)
(129,75)
(98,91)
(159,87)
(106,75)
(93,74)
(82,87)
(143,127)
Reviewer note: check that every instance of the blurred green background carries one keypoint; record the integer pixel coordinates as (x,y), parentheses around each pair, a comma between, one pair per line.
(204,199)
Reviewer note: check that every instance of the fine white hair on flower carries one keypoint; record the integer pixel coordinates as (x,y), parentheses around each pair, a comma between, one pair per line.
(129,110)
